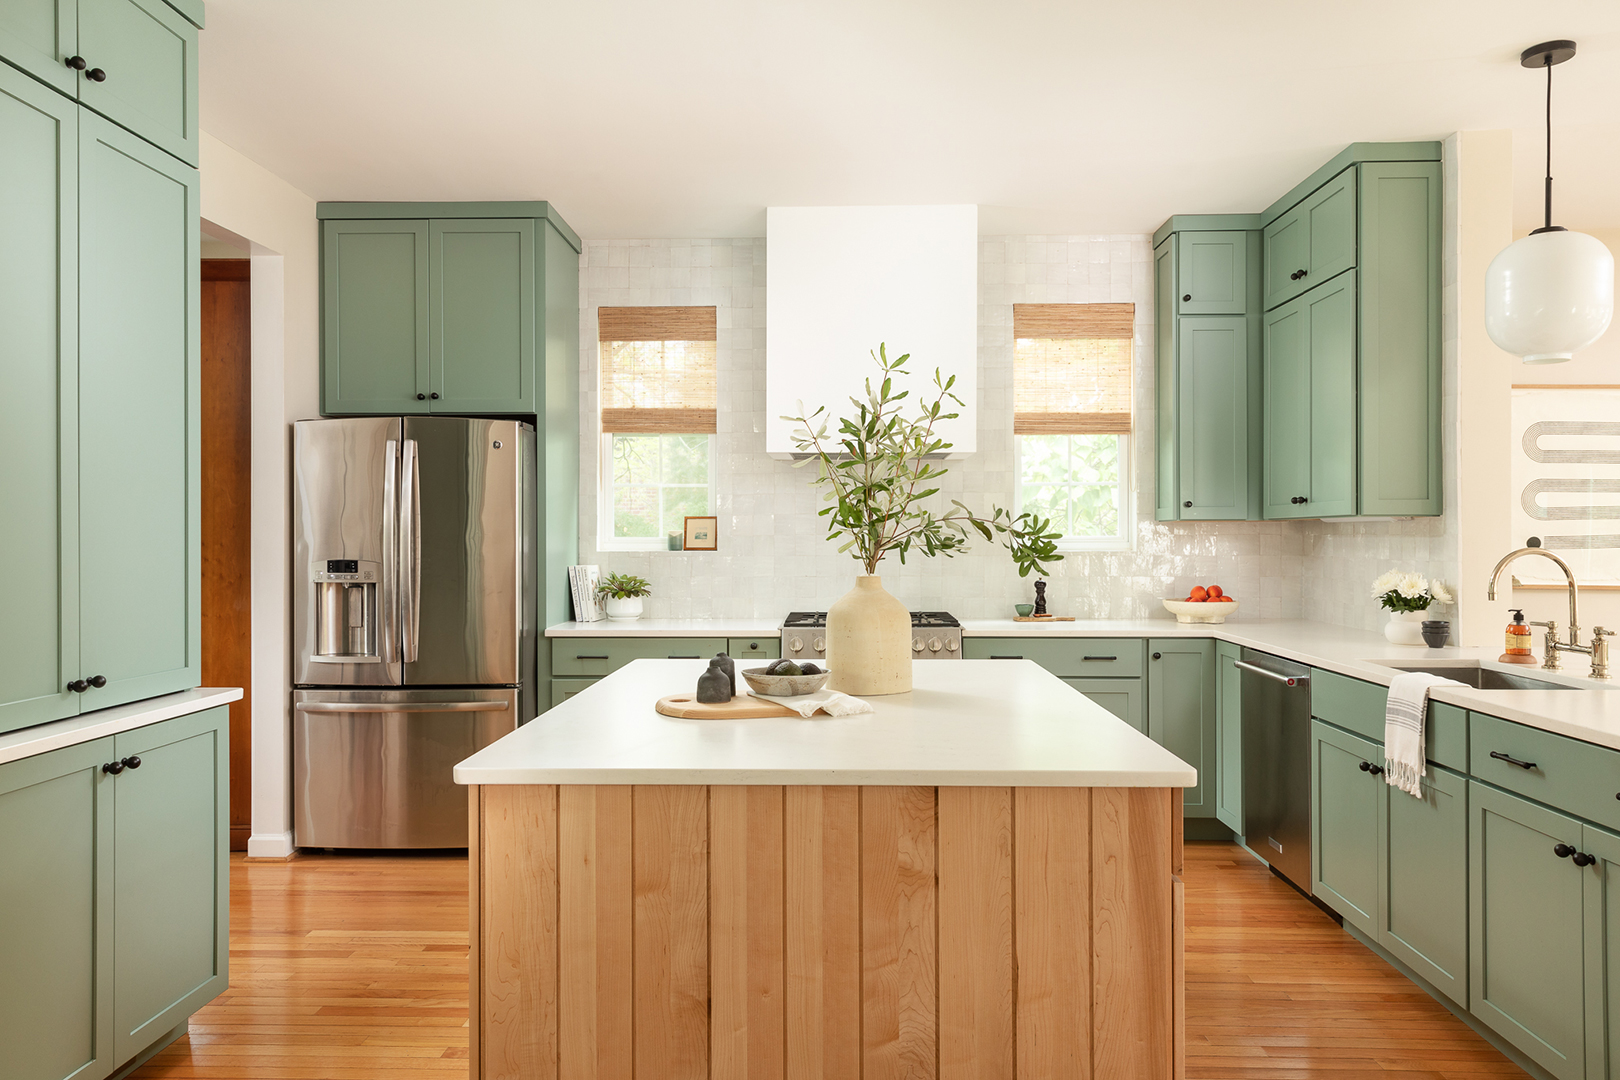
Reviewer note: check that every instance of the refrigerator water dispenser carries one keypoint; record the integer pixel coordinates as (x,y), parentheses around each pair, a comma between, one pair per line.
(345,611)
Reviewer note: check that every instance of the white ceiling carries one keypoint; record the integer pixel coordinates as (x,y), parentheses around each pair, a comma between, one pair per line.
(645,118)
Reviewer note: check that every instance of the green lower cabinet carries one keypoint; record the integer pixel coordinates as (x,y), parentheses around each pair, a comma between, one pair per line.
(1602,910)
(1229,737)
(1122,697)
(743,650)
(563,689)
(1345,812)
(595,657)
(171,900)
(1423,892)
(56,903)
(1181,711)
(1525,933)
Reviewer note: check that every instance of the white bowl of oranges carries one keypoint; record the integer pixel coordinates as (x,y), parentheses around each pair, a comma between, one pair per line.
(1204,604)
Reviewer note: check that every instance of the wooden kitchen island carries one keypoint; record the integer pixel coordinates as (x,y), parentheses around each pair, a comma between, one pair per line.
(980,879)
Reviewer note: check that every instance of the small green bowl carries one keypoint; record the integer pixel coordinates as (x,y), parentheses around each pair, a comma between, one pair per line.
(1024,610)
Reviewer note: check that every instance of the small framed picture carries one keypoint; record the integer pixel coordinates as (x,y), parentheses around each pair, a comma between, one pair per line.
(702,533)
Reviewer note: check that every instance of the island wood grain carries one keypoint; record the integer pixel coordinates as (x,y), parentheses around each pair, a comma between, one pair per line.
(822,904)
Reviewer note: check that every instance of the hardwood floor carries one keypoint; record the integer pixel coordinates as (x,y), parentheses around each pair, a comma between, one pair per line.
(354,967)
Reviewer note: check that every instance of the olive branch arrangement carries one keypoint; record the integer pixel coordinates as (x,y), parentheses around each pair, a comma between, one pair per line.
(877,473)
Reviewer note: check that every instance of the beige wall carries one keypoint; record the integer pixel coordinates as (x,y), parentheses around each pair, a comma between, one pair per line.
(244,204)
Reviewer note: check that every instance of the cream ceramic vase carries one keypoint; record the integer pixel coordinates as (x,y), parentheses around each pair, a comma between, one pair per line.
(869,641)
(1405,627)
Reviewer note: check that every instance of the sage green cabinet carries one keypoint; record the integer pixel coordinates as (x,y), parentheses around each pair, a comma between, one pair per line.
(1526,925)
(1212,273)
(563,689)
(1212,417)
(1122,697)
(1229,737)
(1167,498)
(594,657)
(1310,420)
(374,316)
(1181,711)
(747,650)
(1313,242)
(145,49)
(1345,794)
(481,315)
(1601,907)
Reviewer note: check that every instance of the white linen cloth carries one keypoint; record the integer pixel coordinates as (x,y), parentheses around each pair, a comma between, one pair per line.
(1405,733)
(829,701)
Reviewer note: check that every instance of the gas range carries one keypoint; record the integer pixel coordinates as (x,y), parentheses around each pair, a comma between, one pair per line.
(935,635)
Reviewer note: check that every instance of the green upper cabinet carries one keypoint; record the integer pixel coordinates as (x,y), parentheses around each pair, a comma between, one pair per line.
(132,61)
(481,289)
(1181,711)
(1212,273)
(1313,242)
(1229,737)
(1310,378)
(139,416)
(1207,368)
(374,314)
(39,176)
(447,308)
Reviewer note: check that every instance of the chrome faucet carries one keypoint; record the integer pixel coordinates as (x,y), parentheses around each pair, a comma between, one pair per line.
(1598,650)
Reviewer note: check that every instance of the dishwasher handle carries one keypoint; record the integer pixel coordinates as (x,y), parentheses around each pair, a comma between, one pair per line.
(1286,680)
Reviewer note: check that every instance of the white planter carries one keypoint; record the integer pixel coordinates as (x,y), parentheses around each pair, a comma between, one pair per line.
(1406,627)
(627,610)
(869,641)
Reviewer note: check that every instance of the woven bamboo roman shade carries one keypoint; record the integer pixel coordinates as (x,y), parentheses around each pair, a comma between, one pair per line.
(1072,368)
(657,370)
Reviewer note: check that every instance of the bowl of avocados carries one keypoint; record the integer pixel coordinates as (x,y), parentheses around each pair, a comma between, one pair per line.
(786,678)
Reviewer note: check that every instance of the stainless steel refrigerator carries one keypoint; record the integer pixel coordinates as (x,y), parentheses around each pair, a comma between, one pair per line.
(413,620)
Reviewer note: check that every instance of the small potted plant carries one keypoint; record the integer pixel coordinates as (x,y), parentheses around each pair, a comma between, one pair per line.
(1407,594)
(623,593)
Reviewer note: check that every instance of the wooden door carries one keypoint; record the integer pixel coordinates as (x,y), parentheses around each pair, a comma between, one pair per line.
(227,599)
(1345,798)
(1602,910)
(56,903)
(1423,891)
(1212,434)
(39,549)
(172,894)
(148,53)
(1168,507)
(1525,952)
(374,318)
(1181,711)
(139,359)
(482,322)
(1213,277)
(1122,697)
(38,36)
(1229,737)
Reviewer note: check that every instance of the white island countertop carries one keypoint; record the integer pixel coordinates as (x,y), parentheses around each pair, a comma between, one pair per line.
(969,722)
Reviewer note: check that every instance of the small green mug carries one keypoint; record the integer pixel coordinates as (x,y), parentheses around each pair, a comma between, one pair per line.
(1024,609)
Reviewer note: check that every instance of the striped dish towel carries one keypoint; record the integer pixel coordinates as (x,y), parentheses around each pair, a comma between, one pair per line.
(1404,732)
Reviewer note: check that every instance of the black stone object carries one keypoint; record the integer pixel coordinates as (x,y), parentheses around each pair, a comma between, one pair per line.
(729,666)
(1040,598)
(713,687)
(1436,632)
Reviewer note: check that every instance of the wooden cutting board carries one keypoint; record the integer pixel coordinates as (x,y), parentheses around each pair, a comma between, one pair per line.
(741,707)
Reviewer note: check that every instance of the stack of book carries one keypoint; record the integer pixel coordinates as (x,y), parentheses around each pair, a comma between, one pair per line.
(582,581)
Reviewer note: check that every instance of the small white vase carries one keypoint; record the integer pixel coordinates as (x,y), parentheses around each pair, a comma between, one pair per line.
(1405,627)
(869,641)
(627,609)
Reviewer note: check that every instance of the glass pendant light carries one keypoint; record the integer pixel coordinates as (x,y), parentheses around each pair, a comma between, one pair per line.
(1552,292)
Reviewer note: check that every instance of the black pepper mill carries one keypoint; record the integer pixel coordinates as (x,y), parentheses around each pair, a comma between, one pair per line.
(1040,598)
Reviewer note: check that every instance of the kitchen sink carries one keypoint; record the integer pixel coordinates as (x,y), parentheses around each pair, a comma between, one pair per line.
(1481,678)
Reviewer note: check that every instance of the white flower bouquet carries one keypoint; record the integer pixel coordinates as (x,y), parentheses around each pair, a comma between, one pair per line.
(1406,590)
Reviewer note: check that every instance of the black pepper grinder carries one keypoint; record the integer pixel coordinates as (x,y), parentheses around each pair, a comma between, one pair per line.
(1040,598)
(729,666)
(713,687)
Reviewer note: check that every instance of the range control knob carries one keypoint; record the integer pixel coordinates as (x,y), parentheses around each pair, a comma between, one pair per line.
(796,645)
(916,644)
(820,644)
(950,645)
(933,644)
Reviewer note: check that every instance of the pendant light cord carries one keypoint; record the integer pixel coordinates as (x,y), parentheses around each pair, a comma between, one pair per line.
(1549,66)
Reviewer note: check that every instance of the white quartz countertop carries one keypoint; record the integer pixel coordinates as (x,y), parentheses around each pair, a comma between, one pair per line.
(103,722)
(967,722)
(684,628)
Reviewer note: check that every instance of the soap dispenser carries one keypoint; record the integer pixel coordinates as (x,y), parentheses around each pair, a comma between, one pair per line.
(1518,641)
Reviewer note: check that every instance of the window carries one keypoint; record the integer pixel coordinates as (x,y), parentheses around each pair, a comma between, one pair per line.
(658,421)
(1072,419)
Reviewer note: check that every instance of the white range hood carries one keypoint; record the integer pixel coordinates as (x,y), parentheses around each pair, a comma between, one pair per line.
(841,279)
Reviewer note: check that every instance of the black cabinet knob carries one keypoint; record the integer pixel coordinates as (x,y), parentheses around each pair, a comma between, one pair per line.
(1187,504)
(96,75)
(1157,655)
(1563,851)
(78,686)
(423,397)
(98,681)
(76,63)
(113,768)
(1365,765)
(1583,859)
(1375,770)
(1299,500)
(132,762)
(434,395)
(1186,298)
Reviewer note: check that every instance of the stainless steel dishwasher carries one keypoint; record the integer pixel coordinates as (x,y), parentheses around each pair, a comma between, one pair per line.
(1277,763)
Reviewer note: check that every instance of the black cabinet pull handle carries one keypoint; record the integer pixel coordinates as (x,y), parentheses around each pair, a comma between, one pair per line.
(1099,658)
(96,75)
(577,657)
(1375,770)
(1581,858)
(98,681)
(1006,657)
(132,762)
(76,63)
(672,657)
(1526,765)
(1157,655)
(113,768)
(421,397)
(78,686)
(1563,851)
(434,395)
(1299,500)
(1365,765)
(1186,298)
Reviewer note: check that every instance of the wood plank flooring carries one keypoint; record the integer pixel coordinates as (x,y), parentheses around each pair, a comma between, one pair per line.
(349,967)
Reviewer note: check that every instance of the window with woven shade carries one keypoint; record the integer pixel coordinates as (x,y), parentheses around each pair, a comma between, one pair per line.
(658,414)
(1072,391)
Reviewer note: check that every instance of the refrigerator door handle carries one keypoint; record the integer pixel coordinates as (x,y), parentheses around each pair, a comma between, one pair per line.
(401,707)
(410,552)
(390,553)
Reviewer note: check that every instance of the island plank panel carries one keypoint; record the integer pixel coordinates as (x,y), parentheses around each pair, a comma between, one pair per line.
(1051,888)
(595,920)
(976,933)
(746,948)
(670,823)
(518,1025)
(899,935)
(822,901)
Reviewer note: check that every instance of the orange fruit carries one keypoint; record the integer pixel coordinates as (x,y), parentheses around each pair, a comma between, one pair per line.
(1215,592)
(1198,595)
